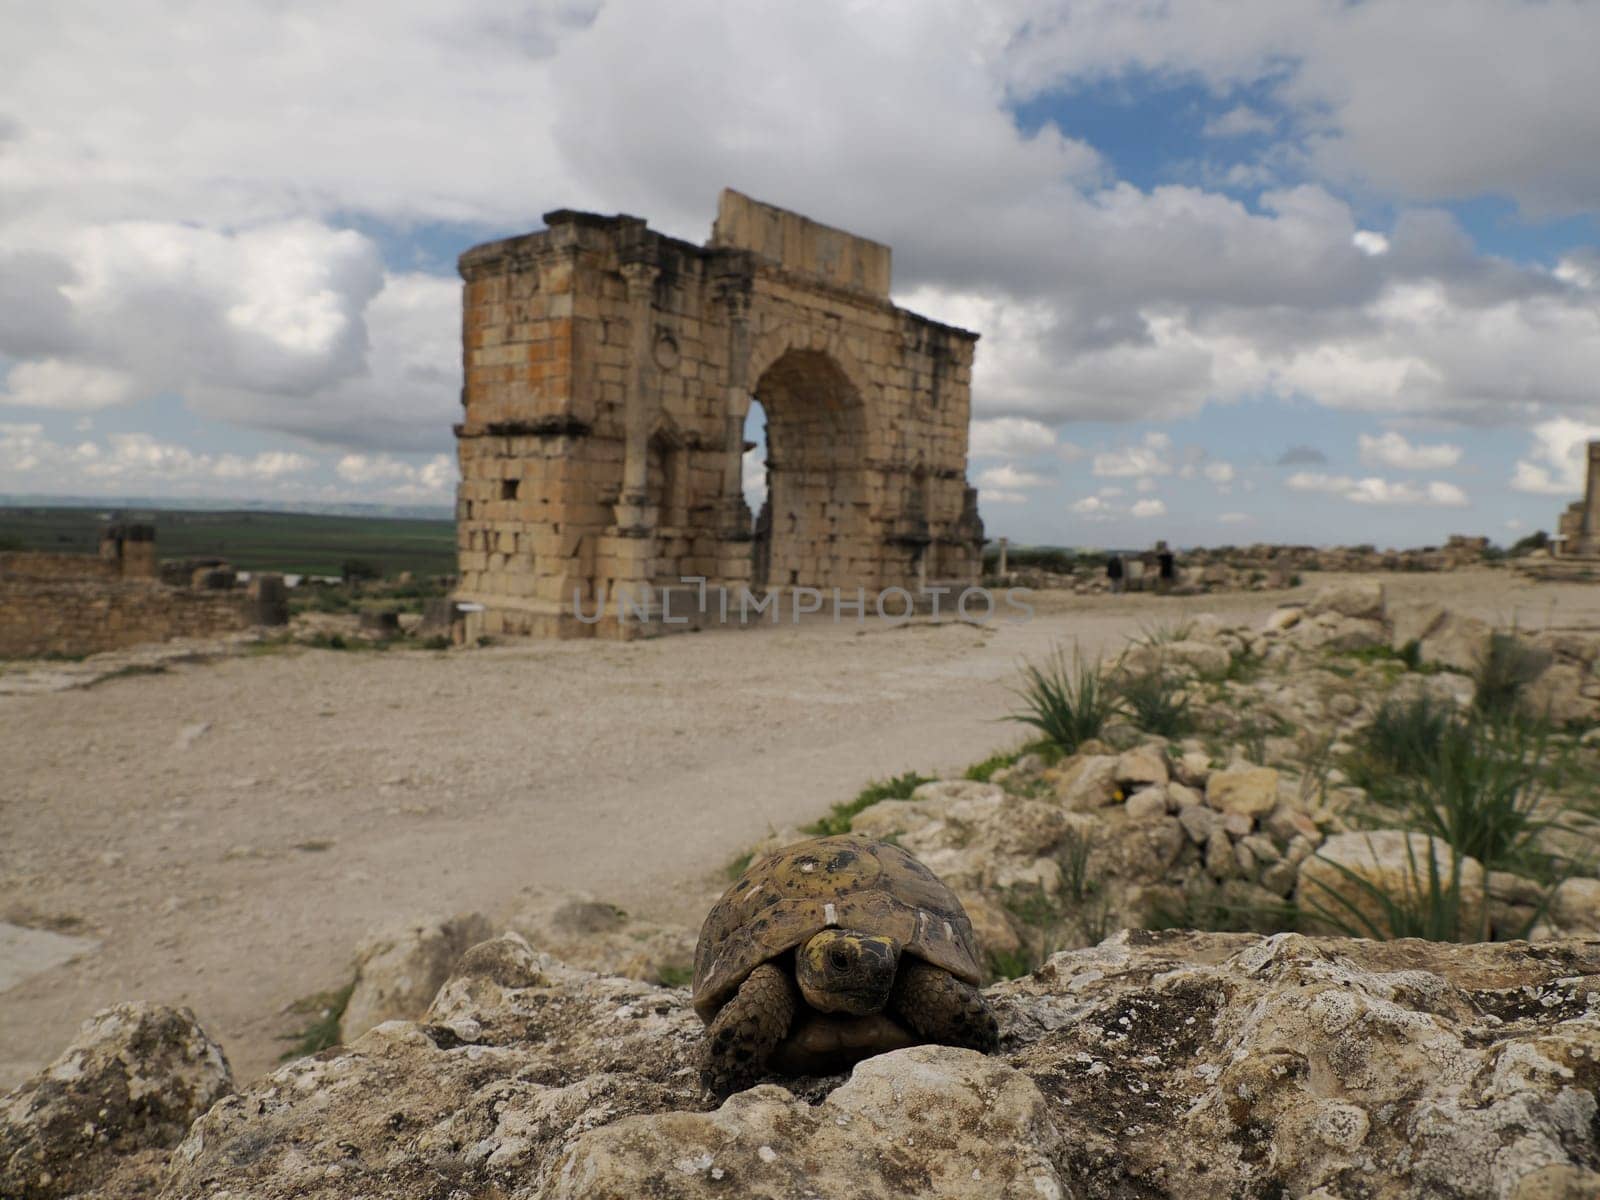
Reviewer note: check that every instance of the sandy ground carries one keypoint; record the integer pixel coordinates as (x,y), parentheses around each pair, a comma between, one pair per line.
(235,870)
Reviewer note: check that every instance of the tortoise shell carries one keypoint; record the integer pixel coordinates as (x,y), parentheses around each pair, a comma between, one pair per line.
(845,882)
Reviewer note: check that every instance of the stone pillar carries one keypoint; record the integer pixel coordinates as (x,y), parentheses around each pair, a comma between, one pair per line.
(269,599)
(1589,528)
(633,519)
(735,513)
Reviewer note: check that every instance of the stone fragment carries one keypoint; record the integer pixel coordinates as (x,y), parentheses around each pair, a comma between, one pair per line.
(123,1093)
(1088,782)
(1457,642)
(1251,791)
(1576,905)
(1362,600)
(398,971)
(1220,860)
(1280,620)
(940,1121)
(1194,768)
(1198,822)
(1147,804)
(1141,766)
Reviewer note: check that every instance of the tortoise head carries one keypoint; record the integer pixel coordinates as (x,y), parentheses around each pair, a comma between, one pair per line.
(846,971)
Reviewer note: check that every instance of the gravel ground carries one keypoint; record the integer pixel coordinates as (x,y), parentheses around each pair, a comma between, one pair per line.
(230,830)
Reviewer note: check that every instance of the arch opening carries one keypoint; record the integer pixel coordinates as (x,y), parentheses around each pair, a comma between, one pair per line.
(810,529)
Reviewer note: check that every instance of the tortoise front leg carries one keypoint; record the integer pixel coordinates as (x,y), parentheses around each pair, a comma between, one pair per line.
(941,1008)
(747,1030)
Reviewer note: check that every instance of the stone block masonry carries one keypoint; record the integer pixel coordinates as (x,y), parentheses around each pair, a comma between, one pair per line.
(609,370)
(76,604)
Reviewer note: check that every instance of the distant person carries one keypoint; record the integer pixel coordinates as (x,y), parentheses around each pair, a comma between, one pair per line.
(1114,573)
(1167,566)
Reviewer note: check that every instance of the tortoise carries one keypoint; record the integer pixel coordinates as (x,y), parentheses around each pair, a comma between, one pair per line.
(829,951)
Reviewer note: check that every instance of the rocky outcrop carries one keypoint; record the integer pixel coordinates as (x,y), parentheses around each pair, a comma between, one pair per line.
(399,970)
(1183,1065)
(102,1117)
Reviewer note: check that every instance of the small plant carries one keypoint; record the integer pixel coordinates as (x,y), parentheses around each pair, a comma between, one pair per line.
(1403,739)
(1480,794)
(1425,906)
(984,771)
(1205,908)
(738,866)
(1506,666)
(326,1010)
(131,670)
(1164,634)
(674,975)
(1067,702)
(898,788)
(1156,702)
(437,642)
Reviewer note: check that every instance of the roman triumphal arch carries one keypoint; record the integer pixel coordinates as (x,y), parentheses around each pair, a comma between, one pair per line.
(609,371)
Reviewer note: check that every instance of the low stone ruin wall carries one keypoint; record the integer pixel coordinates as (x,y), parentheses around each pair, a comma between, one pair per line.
(74,617)
(40,564)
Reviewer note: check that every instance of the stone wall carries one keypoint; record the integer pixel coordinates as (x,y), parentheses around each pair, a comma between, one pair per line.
(609,370)
(74,617)
(39,564)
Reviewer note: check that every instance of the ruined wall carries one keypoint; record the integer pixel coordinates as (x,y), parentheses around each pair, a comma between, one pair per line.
(76,604)
(609,370)
(71,618)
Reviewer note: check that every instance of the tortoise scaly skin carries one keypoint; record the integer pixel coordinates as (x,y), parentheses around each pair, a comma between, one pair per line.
(829,951)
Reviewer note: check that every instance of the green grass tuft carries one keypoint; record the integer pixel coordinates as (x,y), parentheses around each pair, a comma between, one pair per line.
(1156,702)
(326,1010)
(1067,702)
(898,788)
(1507,665)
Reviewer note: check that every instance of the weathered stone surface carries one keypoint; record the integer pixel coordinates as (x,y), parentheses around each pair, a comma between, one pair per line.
(1249,791)
(1151,802)
(1280,620)
(399,970)
(1362,600)
(595,936)
(1141,766)
(1557,696)
(1413,622)
(1393,862)
(1576,905)
(1204,658)
(1457,642)
(1190,1066)
(928,1121)
(1089,781)
(103,1114)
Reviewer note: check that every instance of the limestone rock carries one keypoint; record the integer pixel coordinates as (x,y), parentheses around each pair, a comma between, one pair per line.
(1362,600)
(1089,781)
(1248,791)
(928,1121)
(1204,658)
(1413,622)
(1280,620)
(1457,642)
(1576,905)
(1557,696)
(1141,766)
(597,936)
(104,1113)
(1148,804)
(1194,768)
(1184,1065)
(1393,862)
(399,970)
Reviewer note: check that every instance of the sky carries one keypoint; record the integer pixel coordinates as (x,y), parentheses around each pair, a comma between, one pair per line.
(1254,270)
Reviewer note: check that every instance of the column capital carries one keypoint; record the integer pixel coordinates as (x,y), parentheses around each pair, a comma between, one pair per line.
(641,277)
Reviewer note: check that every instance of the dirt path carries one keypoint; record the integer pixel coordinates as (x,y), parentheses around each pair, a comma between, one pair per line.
(235,869)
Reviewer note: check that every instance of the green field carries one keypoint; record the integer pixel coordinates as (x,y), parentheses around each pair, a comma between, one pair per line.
(252,541)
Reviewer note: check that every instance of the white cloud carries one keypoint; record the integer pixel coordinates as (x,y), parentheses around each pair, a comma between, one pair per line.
(1240,121)
(1234,518)
(1557,461)
(1009,478)
(1009,437)
(65,386)
(1219,472)
(1376,491)
(993,496)
(1394,451)
(753,477)
(1149,508)
(1370,242)
(434,478)
(1150,456)
(131,462)
(1091,506)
